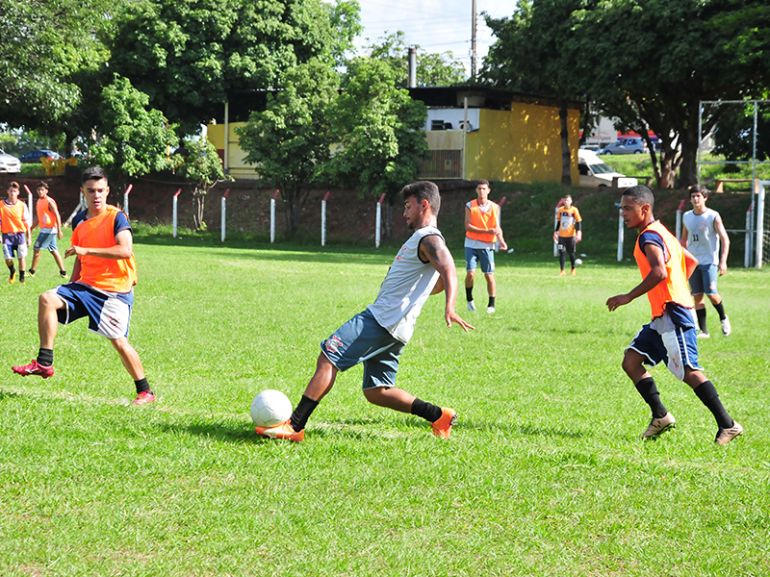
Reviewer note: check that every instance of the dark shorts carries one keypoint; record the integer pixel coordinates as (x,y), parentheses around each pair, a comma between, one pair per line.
(363,340)
(567,244)
(704,279)
(109,314)
(677,348)
(484,256)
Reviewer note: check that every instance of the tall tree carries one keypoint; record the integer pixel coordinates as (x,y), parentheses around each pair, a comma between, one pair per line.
(290,142)
(189,56)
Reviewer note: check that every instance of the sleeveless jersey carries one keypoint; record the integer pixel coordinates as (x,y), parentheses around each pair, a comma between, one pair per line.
(13,217)
(568,218)
(702,239)
(405,288)
(107,274)
(483,217)
(674,288)
(46,219)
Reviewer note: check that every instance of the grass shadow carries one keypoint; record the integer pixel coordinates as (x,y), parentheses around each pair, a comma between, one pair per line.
(231,433)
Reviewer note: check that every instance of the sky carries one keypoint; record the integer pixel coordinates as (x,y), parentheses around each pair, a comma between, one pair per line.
(434,25)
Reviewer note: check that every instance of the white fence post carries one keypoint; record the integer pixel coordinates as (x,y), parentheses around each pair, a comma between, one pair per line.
(323,217)
(760,232)
(747,239)
(29,204)
(378,221)
(174,212)
(223,223)
(125,199)
(555,225)
(679,212)
(620,235)
(272,217)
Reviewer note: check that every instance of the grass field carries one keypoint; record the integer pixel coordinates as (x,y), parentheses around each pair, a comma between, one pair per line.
(544,474)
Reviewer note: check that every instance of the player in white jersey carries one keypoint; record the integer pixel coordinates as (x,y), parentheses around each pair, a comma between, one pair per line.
(376,336)
(704,235)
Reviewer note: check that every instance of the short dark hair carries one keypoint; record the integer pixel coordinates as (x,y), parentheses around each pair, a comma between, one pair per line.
(13,184)
(42,184)
(424,189)
(695,188)
(482,181)
(93,173)
(641,194)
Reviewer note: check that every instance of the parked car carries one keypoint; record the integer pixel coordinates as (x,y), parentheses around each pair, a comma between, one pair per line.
(9,163)
(594,172)
(38,154)
(625,145)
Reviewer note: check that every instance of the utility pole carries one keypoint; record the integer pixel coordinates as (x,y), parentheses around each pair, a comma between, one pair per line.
(473,40)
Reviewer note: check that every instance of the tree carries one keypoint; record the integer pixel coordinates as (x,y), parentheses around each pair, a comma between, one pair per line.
(46,47)
(190,56)
(535,53)
(202,166)
(290,142)
(132,139)
(678,54)
(433,69)
(380,131)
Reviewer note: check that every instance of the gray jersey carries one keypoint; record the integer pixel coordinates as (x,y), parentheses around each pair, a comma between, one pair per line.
(406,287)
(702,238)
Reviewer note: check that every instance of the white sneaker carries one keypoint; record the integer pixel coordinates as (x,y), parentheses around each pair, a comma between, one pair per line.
(702,335)
(490,310)
(724,436)
(471,306)
(658,426)
(726,327)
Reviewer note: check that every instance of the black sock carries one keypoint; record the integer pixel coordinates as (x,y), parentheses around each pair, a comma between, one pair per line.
(491,302)
(12,270)
(469,294)
(62,272)
(142,386)
(572,259)
(21,274)
(651,396)
(45,357)
(720,311)
(302,413)
(32,271)
(425,410)
(701,313)
(562,259)
(708,395)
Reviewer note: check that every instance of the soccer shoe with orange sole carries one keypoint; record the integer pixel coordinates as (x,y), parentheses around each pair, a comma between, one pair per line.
(34,368)
(281,431)
(144,398)
(442,427)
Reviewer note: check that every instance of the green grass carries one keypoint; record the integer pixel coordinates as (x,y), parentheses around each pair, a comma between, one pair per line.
(543,476)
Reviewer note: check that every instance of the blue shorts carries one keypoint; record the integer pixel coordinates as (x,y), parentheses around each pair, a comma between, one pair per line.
(109,314)
(678,348)
(363,340)
(485,257)
(46,240)
(14,242)
(704,279)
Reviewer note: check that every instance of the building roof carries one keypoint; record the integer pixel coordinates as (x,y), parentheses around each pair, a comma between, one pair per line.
(481,97)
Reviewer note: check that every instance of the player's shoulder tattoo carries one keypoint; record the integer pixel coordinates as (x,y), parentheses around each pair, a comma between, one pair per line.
(430,246)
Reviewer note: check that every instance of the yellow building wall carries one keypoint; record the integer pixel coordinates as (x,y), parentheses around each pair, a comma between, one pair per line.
(520,145)
(235,163)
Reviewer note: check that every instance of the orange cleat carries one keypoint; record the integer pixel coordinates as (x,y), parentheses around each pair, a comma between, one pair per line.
(442,427)
(281,431)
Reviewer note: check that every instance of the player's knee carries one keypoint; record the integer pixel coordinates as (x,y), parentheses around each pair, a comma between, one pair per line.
(630,365)
(49,300)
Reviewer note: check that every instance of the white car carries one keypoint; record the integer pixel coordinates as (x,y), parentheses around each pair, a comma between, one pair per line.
(594,172)
(9,163)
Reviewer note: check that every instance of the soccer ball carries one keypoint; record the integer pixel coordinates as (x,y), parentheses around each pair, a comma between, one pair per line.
(270,408)
(578,261)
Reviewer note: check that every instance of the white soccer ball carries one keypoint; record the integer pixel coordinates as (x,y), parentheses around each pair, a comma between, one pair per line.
(578,261)
(270,408)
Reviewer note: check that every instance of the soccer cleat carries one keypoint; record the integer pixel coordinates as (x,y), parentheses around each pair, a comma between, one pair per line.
(31,272)
(12,277)
(63,273)
(490,310)
(281,431)
(724,436)
(562,273)
(471,306)
(573,272)
(659,425)
(726,327)
(144,398)
(442,427)
(34,368)
(703,335)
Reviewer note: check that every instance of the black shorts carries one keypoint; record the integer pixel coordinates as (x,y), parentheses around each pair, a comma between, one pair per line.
(567,243)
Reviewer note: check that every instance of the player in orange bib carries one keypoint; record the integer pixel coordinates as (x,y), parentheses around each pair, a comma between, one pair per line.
(101,287)
(14,223)
(670,336)
(49,222)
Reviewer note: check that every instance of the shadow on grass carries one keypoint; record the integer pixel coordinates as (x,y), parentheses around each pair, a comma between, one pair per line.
(9,395)
(228,432)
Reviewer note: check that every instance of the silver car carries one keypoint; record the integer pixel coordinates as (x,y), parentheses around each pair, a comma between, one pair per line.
(625,145)
(9,163)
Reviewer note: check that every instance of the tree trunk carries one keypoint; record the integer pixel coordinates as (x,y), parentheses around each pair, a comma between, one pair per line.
(566,173)
(199,204)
